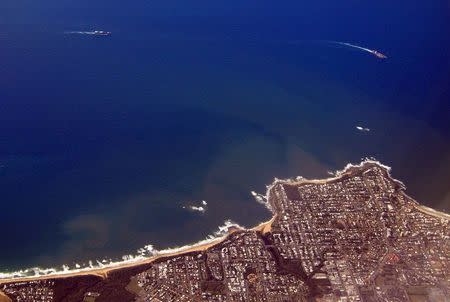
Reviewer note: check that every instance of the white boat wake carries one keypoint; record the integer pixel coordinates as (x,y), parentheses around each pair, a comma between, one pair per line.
(79,32)
(89,33)
(362,129)
(371,51)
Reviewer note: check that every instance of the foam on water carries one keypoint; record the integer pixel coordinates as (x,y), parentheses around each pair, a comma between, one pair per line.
(200,208)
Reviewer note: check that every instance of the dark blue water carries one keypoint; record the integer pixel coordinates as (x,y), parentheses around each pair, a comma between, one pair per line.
(104,139)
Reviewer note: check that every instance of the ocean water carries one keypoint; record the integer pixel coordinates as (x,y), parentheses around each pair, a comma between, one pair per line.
(104,140)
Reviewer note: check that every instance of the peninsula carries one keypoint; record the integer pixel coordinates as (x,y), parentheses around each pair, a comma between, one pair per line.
(354,237)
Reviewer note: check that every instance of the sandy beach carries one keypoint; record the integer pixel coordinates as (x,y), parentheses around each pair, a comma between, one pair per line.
(4,298)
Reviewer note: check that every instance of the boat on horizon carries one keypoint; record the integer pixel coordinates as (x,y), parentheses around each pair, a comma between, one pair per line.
(101,33)
(90,33)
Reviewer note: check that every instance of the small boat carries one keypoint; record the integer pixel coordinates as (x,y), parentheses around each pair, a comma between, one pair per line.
(379,54)
(101,33)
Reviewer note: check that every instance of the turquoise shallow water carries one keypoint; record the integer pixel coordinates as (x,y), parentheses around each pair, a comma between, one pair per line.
(105,139)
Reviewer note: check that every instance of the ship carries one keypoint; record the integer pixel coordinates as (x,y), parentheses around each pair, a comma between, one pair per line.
(101,33)
(379,54)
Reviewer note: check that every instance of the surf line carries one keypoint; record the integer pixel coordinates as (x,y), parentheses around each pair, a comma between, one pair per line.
(371,51)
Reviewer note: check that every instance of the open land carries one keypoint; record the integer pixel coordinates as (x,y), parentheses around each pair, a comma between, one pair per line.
(354,237)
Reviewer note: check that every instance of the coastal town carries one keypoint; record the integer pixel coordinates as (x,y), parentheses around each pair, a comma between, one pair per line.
(354,237)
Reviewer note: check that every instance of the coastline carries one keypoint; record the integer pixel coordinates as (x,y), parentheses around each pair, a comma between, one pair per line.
(103,270)
(432,212)
(263,227)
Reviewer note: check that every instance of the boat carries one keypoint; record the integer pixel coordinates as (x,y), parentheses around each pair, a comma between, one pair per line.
(379,54)
(101,33)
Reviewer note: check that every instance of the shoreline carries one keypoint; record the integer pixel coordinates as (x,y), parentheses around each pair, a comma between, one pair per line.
(264,227)
(432,212)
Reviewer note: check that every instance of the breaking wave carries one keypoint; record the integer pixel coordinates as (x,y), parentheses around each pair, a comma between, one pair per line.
(200,208)
(262,200)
